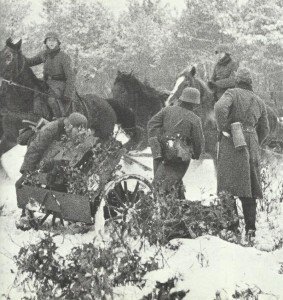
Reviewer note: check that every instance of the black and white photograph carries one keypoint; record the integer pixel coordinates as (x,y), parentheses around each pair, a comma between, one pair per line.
(141,149)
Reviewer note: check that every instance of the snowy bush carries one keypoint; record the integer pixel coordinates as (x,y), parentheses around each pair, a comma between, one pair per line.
(269,234)
(167,217)
(88,272)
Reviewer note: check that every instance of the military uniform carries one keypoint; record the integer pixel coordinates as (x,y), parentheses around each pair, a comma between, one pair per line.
(45,136)
(239,169)
(59,76)
(223,76)
(166,125)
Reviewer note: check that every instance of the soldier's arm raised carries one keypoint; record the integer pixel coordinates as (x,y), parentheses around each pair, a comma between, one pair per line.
(36,60)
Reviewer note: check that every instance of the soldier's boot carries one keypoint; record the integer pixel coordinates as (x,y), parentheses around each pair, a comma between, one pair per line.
(249,211)
(250,237)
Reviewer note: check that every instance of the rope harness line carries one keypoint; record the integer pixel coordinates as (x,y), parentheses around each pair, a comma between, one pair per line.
(12,83)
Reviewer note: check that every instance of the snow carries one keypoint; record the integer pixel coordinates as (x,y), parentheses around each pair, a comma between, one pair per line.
(205,265)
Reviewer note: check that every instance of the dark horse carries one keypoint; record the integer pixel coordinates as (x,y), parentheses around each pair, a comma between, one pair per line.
(143,100)
(17,104)
(102,114)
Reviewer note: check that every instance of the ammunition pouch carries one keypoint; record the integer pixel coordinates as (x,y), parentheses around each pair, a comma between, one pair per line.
(176,149)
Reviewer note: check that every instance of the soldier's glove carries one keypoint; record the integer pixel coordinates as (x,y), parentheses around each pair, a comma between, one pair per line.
(211,85)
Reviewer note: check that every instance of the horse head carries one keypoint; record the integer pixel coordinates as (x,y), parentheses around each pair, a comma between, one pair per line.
(124,88)
(18,79)
(140,97)
(11,59)
(185,79)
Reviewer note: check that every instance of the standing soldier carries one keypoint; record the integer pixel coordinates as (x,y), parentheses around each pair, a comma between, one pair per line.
(58,74)
(175,136)
(223,76)
(243,125)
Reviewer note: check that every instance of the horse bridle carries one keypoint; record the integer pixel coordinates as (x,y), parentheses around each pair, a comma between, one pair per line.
(16,54)
(12,82)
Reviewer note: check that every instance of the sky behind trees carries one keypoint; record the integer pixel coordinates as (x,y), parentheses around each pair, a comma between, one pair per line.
(116,6)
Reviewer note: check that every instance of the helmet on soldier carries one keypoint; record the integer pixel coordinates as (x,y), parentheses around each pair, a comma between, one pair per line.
(77,120)
(243,75)
(73,123)
(51,35)
(190,95)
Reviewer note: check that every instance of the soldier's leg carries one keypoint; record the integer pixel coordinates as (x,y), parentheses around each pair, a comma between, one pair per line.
(55,108)
(168,177)
(249,211)
(232,204)
(54,100)
(40,107)
(18,185)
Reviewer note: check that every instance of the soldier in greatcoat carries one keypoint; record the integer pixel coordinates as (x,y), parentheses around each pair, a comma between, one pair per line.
(175,136)
(223,76)
(58,74)
(239,168)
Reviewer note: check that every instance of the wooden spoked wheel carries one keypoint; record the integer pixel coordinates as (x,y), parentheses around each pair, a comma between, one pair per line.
(126,202)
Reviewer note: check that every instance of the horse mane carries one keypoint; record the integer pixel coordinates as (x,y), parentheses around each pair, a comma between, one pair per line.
(131,82)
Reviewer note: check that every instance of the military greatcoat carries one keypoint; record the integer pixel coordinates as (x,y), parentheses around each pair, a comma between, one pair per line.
(239,169)
(223,75)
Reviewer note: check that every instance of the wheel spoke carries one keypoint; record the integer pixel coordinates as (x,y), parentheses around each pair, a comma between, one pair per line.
(116,218)
(115,208)
(126,192)
(119,199)
(44,218)
(135,193)
(119,189)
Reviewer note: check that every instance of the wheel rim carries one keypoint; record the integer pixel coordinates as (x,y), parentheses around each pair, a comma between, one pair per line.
(125,201)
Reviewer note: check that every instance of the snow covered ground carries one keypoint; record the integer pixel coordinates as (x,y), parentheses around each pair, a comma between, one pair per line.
(204,265)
